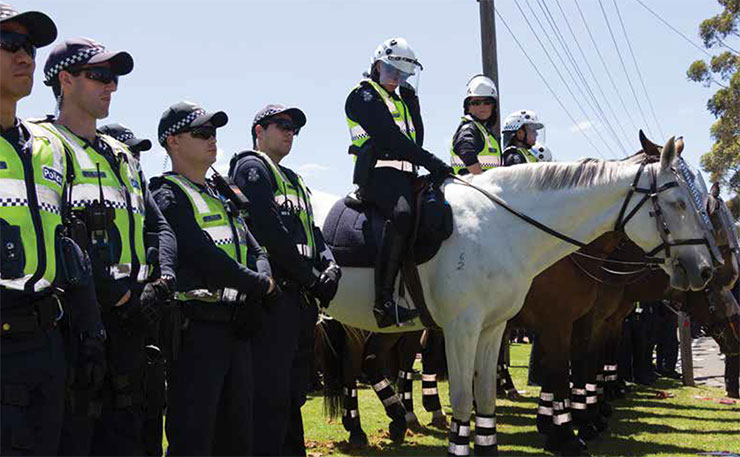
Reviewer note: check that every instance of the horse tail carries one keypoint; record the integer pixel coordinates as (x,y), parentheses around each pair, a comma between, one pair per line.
(331,343)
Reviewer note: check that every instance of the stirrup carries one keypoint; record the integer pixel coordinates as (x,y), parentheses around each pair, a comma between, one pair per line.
(389,313)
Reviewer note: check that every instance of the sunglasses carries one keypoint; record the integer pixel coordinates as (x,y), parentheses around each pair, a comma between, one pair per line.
(480,102)
(283,124)
(102,75)
(204,132)
(12,42)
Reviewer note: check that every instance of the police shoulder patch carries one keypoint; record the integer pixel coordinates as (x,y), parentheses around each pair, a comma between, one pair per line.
(253,175)
(367,95)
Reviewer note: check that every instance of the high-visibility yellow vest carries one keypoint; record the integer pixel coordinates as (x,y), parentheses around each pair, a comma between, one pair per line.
(488,157)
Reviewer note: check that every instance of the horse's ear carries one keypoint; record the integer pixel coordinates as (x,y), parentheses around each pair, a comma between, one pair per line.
(648,146)
(715,190)
(679,145)
(668,156)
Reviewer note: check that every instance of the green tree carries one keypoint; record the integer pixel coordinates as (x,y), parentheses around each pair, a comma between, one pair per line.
(723,161)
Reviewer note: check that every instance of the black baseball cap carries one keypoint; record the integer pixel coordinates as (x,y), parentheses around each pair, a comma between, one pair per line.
(41,28)
(126,136)
(75,52)
(299,119)
(184,115)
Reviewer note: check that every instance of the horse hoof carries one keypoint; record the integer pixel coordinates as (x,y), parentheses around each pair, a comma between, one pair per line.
(397,430)
(358,439)
(605,409)
(588,432)
(440,422)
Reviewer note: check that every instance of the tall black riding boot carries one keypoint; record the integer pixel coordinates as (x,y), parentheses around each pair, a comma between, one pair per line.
(390,255)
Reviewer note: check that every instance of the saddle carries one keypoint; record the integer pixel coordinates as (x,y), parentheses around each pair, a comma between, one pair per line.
(353,230)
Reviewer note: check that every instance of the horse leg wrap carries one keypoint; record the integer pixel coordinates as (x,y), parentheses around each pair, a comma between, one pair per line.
(350,411)
(406,388)
(505,383)
(578,404)
(391,402)
(561,412)
(485,435)
(544,412)
(459,438)
(429,393)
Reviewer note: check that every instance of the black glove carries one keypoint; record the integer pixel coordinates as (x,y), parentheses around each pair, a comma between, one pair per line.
(90,367)
(270,299)
(325,288)
(441,172)
(152,296)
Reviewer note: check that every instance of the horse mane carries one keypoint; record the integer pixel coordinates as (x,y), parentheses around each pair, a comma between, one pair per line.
(558,175)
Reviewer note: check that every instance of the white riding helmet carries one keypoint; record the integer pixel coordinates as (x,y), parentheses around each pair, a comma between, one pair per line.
(397,53)
(542,152)
(481,86)
(517,119)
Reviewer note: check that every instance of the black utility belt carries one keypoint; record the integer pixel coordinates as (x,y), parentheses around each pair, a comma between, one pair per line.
(208,311)
(32,318)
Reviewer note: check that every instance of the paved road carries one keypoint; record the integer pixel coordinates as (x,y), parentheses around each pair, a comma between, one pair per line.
(709,363)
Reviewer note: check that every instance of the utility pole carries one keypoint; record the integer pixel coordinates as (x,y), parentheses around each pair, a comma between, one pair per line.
(490,55)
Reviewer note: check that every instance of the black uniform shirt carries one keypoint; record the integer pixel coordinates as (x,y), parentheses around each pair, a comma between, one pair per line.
(255,180)
(367,108)
(467,143)
(512,156)
(202,264)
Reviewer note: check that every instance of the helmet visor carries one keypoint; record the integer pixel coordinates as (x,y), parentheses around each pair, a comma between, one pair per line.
(390,74)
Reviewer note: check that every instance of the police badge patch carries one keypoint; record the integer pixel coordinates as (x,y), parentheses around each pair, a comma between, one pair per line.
(367,95)
(253,175)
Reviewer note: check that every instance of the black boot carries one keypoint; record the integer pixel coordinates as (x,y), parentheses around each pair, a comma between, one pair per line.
(390,255)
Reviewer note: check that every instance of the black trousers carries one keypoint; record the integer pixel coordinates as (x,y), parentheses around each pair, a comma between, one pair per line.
(33,382)
(118,430)
(209,408)
(666,350)
(274,348)
(392,192)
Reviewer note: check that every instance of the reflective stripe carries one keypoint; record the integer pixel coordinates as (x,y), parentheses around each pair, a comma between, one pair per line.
(220,234)
(458,449)
(489,161)
(591,387)
(487,422)
(88,193)
(351,413)
(591,400)
(561,419)
(610,368)
(390,400)
(49,199)
(305,250)
(578,391)
(578,405)
(558,406)
(546,396)
(19,283)
(380,385)
(485,440)
(428,377)
(544,410)
(226,295)
(80,154)
(429,391)
(456,161)
(464,430)
(120,270)
(401,165)
(407,395)
(195,197)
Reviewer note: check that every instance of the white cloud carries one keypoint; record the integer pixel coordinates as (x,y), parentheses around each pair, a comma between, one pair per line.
(311,169)
(321,202)
(581,126)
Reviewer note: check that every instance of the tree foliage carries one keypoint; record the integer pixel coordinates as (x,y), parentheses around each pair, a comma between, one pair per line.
(722,70)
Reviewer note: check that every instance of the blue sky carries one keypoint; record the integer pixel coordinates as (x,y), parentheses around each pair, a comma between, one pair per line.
(238,56)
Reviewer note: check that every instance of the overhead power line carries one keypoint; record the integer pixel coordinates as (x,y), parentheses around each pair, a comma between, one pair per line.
(607,71)
(639,73)
(691,42)
(624,68)
(542,77)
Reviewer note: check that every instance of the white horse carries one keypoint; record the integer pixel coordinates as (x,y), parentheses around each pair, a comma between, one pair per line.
(481,274)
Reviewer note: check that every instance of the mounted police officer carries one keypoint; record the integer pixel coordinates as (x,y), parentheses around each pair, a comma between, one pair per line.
(519,136)
(109,197)
(37,259)
(474,146)
(223,278)
(281,217)
(387,133)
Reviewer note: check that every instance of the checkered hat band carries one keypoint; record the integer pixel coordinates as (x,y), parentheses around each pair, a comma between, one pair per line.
(7,11)
(124,136)
(267,113)
(179,125)
(82,56)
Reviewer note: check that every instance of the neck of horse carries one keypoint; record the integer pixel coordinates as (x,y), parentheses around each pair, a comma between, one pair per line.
(582,211)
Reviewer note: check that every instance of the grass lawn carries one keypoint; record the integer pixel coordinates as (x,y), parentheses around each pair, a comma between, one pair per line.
(642,424)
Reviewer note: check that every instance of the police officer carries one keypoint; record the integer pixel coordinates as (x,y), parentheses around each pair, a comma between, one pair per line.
(282,220)
(474,148)
(108,193)
(387,134)
(154,374)
(210,383)
(519,136)
(36,259)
